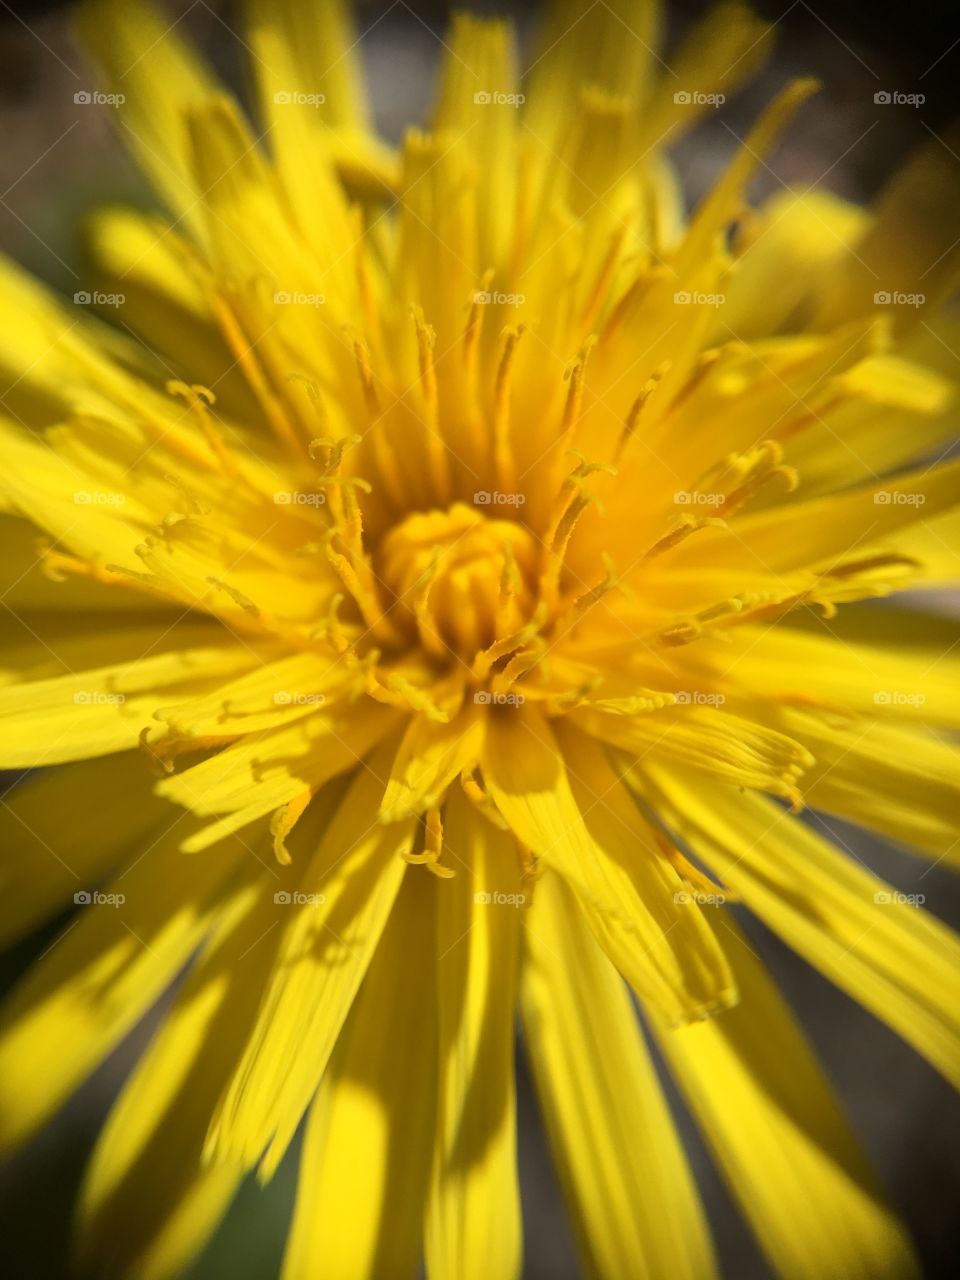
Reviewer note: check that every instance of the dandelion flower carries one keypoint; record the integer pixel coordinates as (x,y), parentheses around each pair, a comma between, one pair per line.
(439,595)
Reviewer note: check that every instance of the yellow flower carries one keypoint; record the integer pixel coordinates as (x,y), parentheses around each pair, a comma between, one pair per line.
(473,508)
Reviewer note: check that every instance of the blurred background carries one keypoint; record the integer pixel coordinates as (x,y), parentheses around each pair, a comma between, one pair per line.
(60,160)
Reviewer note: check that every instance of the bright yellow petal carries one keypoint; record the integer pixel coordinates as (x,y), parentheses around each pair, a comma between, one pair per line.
(632,898)
(428,759)
(344,899)
(900,781)
(622,1167)
(262,772)
(369,1139)
(148,1205)
(895,959)
(93,712)
(123,948)
(472,1225)
(781,1139)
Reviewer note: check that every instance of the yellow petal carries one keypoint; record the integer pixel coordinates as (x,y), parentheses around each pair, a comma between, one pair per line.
(724,48)
(56,843)
(261,772)
(781,1140)
(147,1206)
(900,781)
(706,738)
(910,247)
(122,949)
(428,759)
(879,669)
(141,56)
(369,1138)
(478,80)
(96,711)
(472,1224)
(344,899)
(895,959)
(621,1164)
(797,238)
(633,899)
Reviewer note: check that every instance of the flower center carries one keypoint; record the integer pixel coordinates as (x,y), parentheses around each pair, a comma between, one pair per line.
(458,580)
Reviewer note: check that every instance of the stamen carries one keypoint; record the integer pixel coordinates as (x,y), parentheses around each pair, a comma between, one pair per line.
(481,801)
(198,399)
(436,449)
(235,595)
(502,451)
(283,821)
(574,401)
(247,361)
(433,848)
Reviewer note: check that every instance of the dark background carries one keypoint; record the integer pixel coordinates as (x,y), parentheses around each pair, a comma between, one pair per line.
(50,174)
